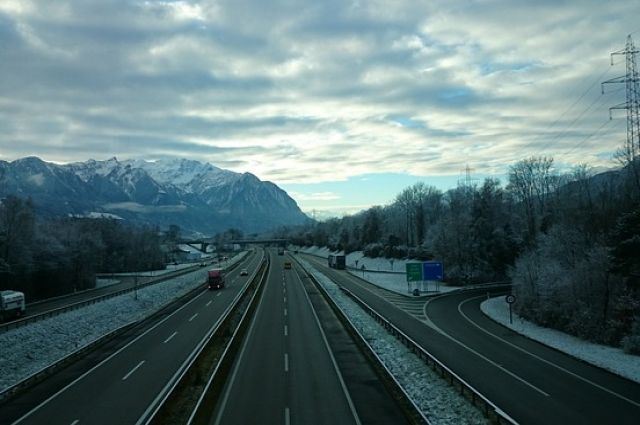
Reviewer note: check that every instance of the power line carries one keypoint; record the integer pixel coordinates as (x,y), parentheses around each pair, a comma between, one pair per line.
(596,81)
(581,142)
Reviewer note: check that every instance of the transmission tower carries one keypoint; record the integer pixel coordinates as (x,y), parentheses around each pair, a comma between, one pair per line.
(632,104)
(468,181)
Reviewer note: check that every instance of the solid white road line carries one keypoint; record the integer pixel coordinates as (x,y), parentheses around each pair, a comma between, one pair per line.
(613,393)
(38,407)
(352,407)
(193,317)
(170,337)
(132,370)
(483,357)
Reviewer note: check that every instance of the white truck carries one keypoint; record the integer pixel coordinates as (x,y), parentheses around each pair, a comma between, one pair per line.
(11,304)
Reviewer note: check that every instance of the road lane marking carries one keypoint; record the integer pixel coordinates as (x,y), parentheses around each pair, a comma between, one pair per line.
(132,370)
(285,299)
(285,312)
(207,304)
(485,358)
(170,337)
(352,407)
(613,393)
(286,330)
(193,317)
(240,358)
(287,416)
(218,295)
(286,362)
(75,422)
(130,343)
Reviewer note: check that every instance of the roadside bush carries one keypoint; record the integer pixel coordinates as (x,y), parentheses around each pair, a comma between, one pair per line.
(631,342)
(373,250)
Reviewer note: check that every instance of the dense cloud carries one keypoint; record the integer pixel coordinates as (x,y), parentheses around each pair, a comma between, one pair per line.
(309,91)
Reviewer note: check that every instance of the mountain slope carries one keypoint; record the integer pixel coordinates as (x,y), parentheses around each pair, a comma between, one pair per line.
(198,197)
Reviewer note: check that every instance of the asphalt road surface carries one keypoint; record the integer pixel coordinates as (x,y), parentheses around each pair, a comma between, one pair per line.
(530,382)
(298,364)
(121,382)
(285,372)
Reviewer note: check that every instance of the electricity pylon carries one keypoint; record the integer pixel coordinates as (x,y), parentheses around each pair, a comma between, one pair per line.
(631,149)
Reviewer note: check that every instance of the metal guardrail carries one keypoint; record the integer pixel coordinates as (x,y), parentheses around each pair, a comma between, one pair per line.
(181,379)
(4,327)
(48,370)
(66,360)
(362,341)
(490,410)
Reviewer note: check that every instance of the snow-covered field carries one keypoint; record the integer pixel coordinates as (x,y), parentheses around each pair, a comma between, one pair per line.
(28,349)
(436,398)
(609,358)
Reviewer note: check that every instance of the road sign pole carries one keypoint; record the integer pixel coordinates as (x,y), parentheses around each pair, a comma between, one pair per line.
(510,299)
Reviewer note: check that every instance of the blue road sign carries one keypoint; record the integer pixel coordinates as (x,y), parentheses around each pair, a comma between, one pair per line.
(432,270)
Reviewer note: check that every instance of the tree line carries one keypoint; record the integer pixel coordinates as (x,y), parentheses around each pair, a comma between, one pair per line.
(568,242)
(49,257)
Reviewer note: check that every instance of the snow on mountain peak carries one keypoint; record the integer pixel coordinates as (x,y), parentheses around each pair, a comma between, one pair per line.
(184,173)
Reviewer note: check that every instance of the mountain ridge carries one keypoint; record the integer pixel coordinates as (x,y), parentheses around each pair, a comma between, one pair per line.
(199,197)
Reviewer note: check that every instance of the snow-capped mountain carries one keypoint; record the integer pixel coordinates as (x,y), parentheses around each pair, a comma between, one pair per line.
(199,197)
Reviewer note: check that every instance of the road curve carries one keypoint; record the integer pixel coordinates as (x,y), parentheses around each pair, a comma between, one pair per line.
(566,390)
(551,388)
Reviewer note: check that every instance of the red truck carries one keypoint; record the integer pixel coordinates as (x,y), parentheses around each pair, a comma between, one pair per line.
(215,279)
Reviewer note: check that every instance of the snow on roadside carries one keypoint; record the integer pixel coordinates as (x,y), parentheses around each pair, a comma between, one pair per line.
(28,349)
(609,358)
(436,398)
(381,272)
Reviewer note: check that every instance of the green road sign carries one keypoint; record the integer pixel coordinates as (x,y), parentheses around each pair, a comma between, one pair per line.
(414,272)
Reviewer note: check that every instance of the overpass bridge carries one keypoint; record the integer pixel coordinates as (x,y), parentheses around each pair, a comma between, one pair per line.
(205,242)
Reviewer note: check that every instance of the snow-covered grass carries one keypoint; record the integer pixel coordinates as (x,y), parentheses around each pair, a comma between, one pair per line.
(382,272)
(612,359)
(101,282)
(28,349)
(434,396)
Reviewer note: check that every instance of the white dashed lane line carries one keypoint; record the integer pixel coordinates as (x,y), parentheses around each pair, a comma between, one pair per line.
(124,378)
(170,337)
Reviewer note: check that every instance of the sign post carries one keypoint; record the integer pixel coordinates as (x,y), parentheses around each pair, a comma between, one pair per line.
(414,274)
(510,299)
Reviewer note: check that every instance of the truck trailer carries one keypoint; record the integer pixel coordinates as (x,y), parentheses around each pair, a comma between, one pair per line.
(337,262)
(215,279)
(11,304)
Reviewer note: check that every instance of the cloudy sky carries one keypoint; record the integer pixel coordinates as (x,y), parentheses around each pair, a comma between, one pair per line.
(343,103)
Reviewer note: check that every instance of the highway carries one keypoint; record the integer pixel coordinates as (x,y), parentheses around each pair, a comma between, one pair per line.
(122,382)
(125,282)
(530,382)
(286,371)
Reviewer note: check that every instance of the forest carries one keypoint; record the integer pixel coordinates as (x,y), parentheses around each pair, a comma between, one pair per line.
(569,242)
(49,257)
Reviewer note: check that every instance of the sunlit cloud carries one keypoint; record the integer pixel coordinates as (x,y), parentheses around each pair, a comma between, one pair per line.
(304,92)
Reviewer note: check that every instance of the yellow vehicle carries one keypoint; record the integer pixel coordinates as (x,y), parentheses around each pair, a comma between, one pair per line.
(287,264)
